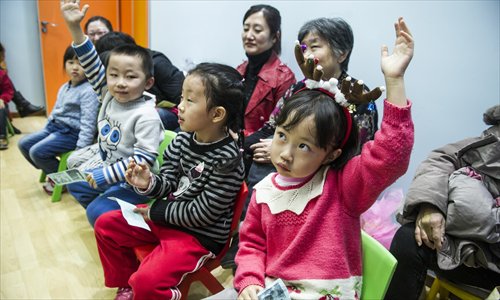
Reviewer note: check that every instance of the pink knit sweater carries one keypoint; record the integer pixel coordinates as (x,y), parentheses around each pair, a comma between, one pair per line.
(316,250)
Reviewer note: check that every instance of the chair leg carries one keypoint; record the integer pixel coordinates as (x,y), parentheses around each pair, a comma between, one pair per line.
(43,177)
(63,164)
(434,290)
(184,289)
(57,193)
(10,128)
(211,283)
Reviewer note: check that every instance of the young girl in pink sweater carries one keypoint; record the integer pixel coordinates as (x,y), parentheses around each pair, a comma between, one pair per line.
(302,224)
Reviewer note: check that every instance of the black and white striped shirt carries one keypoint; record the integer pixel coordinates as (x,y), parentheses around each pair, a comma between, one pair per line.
(197,185)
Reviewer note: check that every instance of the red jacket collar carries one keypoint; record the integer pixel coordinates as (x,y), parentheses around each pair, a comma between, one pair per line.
(268,72)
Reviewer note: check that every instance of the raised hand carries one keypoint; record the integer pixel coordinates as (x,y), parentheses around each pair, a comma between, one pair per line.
(138,175)
(395,65)
(71,12)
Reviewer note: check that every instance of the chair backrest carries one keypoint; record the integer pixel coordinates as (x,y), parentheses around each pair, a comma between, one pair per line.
(169,136)
(378,267)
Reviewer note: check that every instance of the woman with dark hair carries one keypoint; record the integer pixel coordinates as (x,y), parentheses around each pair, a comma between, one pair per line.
(266,77)
(96,27)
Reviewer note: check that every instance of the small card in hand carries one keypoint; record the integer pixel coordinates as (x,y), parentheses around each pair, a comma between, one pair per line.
(68,176)
(276,291)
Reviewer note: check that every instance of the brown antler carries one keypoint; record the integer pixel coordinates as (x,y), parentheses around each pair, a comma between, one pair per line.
(309,66)
(355,93)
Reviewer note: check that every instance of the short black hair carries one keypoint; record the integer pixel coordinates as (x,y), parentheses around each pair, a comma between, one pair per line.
(273,19)
(329,119)
(68,55)
(105,21)
(137,51)
(112,40)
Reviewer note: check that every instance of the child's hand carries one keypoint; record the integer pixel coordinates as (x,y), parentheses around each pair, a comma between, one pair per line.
(144,211)
(250,292)
(71,12)
(138,175)
(2,104)
(394,65)
(91,181)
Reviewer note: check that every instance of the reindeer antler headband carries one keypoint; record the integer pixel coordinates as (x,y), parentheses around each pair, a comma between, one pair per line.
(348,96)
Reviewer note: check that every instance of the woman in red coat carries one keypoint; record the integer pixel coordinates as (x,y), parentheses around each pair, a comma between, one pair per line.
(6,93)
(266,77)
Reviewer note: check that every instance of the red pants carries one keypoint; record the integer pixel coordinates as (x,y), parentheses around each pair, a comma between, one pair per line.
(159,274)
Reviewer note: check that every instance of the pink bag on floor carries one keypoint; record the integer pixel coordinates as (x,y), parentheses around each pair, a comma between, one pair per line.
(379,220)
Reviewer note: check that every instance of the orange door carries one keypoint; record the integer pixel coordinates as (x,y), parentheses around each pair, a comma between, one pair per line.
(55,37)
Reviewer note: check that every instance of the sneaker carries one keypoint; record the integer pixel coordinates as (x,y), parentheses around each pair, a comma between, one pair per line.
(124,294)
(4,144)
(48,187)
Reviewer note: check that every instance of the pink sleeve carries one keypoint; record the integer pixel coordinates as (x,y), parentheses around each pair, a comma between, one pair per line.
(381,162)
(6,88)
(251,257)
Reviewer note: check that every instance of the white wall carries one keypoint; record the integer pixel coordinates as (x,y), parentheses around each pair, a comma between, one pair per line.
(453,78)
(19,36)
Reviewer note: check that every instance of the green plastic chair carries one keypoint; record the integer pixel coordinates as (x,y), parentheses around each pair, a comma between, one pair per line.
(58,189)
(169,136)
(10,130)
(378,267)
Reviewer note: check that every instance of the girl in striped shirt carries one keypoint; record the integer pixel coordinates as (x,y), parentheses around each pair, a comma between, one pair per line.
(195,191)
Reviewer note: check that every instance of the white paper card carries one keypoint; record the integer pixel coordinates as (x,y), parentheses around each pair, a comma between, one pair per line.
(133,218)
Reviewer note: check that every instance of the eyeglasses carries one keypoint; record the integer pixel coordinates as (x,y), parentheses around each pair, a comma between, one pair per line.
(97,33)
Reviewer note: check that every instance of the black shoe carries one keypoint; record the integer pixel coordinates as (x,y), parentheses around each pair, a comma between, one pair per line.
(16,131)
(24,107)
(30,110)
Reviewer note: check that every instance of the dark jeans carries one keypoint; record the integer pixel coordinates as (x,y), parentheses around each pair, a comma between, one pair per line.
(414,261)
(3,122)
(169,119)
(42,147)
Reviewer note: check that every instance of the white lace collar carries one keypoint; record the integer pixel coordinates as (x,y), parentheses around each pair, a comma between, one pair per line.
(292,198)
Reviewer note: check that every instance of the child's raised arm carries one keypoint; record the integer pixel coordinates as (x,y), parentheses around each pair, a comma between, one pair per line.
(72,14)
(394,65)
